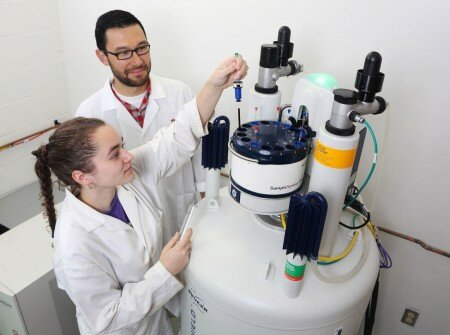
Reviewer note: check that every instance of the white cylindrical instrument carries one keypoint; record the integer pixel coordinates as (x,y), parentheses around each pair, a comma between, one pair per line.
(333,161)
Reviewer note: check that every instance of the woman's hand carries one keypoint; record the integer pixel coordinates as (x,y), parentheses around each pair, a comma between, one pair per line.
(175,255)
(229,70)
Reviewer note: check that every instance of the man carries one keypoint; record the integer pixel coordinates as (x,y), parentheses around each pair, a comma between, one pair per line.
(138,104)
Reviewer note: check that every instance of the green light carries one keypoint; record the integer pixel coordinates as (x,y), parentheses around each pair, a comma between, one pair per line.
(323,80)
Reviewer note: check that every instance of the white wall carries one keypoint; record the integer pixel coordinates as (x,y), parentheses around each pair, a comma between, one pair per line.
(409,191)
(32,83)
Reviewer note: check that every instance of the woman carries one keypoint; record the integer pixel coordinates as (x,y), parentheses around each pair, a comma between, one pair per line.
(108,237)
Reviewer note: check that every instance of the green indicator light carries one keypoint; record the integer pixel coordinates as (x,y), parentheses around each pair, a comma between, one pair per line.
(323,80)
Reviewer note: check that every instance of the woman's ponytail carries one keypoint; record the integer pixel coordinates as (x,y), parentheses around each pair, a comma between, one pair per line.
(45,180)
(68,149)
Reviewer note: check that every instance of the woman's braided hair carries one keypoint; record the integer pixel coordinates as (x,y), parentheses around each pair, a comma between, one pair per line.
(69,148)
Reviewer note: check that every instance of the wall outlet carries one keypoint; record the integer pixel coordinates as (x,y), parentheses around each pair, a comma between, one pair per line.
(410,316)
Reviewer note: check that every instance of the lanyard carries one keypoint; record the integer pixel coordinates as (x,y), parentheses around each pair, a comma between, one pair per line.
(137,113)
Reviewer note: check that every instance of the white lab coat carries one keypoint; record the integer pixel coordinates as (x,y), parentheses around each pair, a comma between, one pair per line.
(167,96)
(111,270)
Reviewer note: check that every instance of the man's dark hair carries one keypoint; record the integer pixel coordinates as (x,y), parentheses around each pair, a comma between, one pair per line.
(113,19)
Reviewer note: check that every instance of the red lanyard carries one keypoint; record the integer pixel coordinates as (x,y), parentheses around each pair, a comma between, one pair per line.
(137,113)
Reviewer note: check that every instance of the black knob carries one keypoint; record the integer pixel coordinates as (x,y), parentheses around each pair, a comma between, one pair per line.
(344,96)
(269,56)
(369,80)
(284,35)
(372,64)
(286,47)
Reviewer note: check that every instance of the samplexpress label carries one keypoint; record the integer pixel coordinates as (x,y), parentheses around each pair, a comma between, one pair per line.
(285,187)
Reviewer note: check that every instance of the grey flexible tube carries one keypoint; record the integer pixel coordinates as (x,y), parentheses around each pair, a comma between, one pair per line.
(350,274)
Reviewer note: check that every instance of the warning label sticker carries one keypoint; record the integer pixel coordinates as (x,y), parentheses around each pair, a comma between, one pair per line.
(334,158)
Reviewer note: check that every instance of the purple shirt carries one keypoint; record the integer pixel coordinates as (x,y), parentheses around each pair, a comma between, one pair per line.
(116,210)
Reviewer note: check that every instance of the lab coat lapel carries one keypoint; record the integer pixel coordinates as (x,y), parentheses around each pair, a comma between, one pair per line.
(129,203)
(125,117)
(150,114)
(116,115)
(156,93)
(128,127)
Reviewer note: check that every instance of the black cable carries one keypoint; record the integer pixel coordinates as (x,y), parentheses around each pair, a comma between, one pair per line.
(281,112)
(372,308)
(366,221)
(385,259)
(387,262)
(293,121)
(360,208)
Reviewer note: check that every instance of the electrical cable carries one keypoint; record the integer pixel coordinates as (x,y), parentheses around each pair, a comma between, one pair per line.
(351,273)
(333,259)
(359,207)
(385,259)
(345,253)
(372,229)
(283,220)
(372,308)
(372,168)
(366,221)
(361,210)
(327,263)
(281,111)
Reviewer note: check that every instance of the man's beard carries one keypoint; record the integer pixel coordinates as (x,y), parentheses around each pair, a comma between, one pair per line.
(125,80)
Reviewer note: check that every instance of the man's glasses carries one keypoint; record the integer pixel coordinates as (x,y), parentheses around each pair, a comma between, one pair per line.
(127,54)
